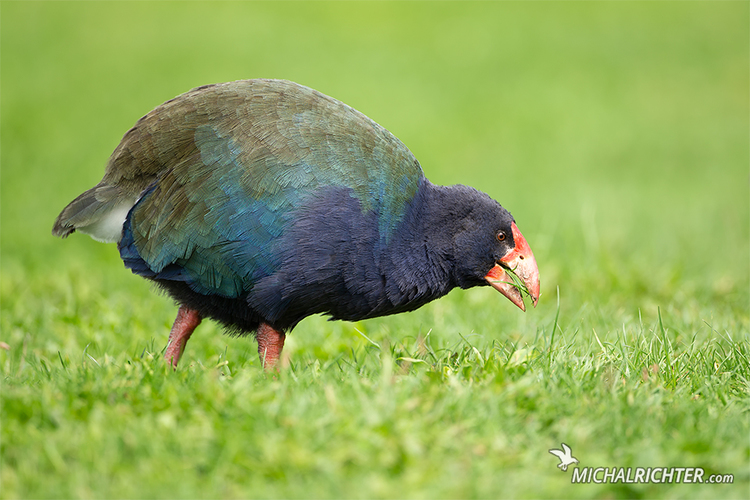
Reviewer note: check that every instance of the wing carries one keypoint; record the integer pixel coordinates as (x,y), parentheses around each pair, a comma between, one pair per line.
(559,454)
(231,163)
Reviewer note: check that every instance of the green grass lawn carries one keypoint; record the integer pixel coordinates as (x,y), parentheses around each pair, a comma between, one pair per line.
(616,134)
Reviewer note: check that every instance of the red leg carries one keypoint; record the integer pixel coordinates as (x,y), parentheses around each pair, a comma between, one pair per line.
(270,344)
(187,320)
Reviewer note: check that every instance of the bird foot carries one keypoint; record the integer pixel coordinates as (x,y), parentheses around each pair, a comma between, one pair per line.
(187,320)
(270,344)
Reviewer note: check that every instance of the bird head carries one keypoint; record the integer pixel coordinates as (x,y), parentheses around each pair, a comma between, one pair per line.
(490,249)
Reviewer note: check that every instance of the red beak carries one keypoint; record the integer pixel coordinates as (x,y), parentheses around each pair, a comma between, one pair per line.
(521,261)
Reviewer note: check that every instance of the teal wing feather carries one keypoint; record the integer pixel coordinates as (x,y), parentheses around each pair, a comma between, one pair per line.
(232,163)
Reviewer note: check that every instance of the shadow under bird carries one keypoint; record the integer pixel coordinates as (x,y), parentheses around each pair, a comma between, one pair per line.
(258,203)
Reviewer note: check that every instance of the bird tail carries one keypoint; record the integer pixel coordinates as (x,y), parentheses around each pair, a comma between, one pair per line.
(99,212)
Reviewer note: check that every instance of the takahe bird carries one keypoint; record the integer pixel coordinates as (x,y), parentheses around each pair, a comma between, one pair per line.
(258,203)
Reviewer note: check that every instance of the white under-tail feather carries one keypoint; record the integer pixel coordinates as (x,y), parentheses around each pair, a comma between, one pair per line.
(100,212)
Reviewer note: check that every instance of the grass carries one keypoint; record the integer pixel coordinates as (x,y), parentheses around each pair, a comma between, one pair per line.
(616,133)
(420,414)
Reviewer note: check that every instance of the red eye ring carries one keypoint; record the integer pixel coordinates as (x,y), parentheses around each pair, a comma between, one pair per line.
(500,236)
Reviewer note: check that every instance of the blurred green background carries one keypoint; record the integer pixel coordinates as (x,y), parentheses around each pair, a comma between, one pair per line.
(620,127)
(617,133)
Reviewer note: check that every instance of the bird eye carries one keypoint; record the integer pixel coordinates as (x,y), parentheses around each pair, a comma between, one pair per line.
(500,236)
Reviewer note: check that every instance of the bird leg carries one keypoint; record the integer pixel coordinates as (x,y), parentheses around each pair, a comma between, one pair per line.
(187,320)
(270,344)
